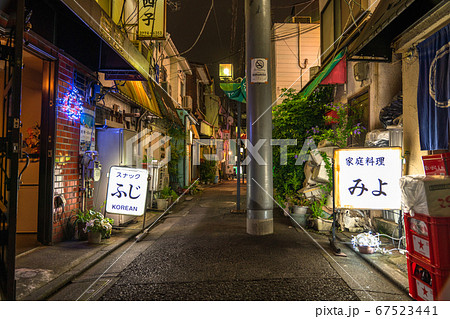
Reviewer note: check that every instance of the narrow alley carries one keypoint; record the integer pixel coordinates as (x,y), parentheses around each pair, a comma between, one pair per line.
(201,251)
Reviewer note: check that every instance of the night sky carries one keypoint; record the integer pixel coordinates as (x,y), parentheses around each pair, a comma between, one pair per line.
(219,42)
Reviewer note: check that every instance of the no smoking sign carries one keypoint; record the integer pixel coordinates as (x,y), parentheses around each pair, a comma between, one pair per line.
(259,70)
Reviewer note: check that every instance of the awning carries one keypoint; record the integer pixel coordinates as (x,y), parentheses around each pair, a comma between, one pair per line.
(322,75)
(135,91)
(390,19)
(338,74)
(165,102)
(82,29)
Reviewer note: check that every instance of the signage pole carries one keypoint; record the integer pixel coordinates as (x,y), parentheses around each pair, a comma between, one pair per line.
(333,228)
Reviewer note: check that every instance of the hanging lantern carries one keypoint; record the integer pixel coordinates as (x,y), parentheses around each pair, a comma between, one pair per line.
(72,104)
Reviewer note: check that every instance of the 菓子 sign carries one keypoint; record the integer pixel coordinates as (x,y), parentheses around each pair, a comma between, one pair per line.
(368,178)
(152,19)
(127,191)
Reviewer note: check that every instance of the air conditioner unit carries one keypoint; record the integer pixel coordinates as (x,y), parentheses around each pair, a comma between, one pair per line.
(301,19)
(186,102)
(361,71)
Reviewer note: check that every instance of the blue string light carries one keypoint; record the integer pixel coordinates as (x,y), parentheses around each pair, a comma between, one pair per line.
(72,104)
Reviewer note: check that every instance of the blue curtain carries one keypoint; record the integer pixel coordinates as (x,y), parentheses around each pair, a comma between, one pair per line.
(434,90)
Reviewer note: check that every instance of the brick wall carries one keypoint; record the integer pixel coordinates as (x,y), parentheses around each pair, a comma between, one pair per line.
(67,178)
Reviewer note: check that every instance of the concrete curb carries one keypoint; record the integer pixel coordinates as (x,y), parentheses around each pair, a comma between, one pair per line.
(84,264)
(394,275)
(80,265)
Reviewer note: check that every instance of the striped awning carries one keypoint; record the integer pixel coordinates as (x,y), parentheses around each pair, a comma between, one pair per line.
(136,91)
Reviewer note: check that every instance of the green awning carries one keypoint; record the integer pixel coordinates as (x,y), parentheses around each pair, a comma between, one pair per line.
(235,91)
(322,75)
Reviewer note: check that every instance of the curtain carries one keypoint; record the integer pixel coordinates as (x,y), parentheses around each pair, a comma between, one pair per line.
(434,90)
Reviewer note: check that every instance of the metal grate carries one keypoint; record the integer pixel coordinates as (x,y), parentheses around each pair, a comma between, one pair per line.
(80,82)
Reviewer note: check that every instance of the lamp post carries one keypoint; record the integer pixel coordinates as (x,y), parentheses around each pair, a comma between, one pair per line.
(226,76)
(225,72)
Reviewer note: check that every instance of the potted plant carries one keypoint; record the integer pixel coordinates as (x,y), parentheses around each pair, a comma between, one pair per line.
(98,227)
(165,196)
(318,216)
(300,209)
(81,218)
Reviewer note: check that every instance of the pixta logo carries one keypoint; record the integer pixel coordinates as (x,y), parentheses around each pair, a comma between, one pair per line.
(251,150)
(147,143)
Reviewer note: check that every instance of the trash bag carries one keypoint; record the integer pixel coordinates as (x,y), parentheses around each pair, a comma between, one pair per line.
(389,113)
(377,138)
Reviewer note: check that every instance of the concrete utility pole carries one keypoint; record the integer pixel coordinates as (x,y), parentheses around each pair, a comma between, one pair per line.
(259,117)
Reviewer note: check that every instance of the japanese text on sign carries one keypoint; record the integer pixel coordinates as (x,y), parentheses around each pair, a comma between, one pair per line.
(152,19)
(127,191)
(368,178)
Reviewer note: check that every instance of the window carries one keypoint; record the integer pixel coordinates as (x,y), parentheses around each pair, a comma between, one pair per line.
(336,17)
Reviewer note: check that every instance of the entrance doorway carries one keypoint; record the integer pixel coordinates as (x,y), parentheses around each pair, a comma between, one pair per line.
(28,200)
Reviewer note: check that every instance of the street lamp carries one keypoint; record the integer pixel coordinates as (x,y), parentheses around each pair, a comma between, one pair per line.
(226,72)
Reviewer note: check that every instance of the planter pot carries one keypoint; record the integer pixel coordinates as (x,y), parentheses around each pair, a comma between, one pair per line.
(366,249)
(300,210)
(299,216)
(94,237)
(321,224)
(161,203)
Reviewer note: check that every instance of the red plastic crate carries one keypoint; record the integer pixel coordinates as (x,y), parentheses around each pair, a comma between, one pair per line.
(438,164)
(425,281)
(428,238)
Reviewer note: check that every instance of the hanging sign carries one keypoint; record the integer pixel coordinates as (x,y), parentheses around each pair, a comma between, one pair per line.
(368,178)
(87,130)
(152,19)
(259,70)
(127,191)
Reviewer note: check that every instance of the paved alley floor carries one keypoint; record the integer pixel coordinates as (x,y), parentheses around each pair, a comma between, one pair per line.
(206,254)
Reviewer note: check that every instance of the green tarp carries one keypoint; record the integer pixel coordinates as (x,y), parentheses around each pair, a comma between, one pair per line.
(235,91)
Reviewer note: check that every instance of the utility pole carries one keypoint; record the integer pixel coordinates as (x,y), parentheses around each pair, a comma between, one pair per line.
(259,118)
(238,152)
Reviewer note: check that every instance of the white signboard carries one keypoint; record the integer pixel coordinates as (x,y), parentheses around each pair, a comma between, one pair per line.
(127,191)
(368,178)
(259,70)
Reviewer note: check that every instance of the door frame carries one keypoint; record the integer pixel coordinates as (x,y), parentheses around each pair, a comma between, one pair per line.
(47,151)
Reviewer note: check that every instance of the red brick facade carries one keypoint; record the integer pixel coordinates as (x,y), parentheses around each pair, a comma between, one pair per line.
(67,178)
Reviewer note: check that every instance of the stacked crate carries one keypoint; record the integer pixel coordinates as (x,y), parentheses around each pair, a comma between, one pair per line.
(428,233)
(428,244)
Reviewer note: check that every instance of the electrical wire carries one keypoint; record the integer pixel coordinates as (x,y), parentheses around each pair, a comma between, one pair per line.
(289,6)
(293,34)
(218,29)
(310,3)
(332,45)
(201,31)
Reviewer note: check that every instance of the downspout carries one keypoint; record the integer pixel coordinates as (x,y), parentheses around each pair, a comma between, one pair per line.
(305,62)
